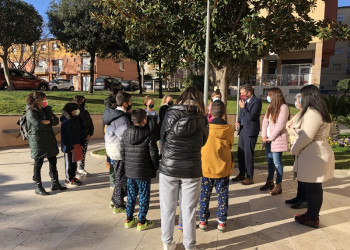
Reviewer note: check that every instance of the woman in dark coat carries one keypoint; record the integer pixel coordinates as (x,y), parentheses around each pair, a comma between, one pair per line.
(184,132)
(42,140)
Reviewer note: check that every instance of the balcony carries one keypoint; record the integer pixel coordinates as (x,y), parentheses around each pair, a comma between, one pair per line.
(285,79)
(85,68)
(56,70)
(41,70)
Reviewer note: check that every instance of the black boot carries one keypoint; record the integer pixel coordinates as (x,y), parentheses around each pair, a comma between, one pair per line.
(39,189)
(56,186)
(268,185)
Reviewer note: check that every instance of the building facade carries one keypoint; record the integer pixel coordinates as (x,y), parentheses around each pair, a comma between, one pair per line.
(51,60)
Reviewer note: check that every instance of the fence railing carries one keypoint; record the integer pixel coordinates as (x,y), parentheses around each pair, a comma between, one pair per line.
(279,79)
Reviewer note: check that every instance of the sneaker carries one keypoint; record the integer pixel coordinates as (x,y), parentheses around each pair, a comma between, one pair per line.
(306,220)
(180,228)
(221,226)
(119,210)
(299,205)
(292,201)
(77,181)
(111,204)
(130,223)
(83,172)
(238,178)
(203,225)
(148,224)
(171,246)
(71,184)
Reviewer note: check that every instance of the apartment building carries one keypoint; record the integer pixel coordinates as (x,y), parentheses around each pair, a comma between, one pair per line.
(53,60)
(290,71)
(339,63)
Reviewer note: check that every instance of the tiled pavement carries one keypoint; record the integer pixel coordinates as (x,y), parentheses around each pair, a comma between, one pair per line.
(81,219)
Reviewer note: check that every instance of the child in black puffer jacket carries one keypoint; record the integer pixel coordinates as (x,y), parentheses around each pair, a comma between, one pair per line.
(71,140)
(140,154)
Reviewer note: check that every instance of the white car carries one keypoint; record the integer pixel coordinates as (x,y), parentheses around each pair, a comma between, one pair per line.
(61,84)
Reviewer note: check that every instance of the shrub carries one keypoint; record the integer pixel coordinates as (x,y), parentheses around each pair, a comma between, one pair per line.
(344,85)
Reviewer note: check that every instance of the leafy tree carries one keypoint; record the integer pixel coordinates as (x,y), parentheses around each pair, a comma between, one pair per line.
(20,23)
(344,85)
(242,31)
(72,23)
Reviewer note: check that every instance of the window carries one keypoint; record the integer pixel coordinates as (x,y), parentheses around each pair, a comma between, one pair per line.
(32,48)
(75,59)
(24,48)
(66,46)
(337,67)
(43,47)
(340,18)
(27,75)
(54,46)
(338,51)
(334,83)
(67,60)
(14,49)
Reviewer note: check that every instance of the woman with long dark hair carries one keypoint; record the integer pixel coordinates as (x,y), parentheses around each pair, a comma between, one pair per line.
(42,140)
(184,131)
(274,136)
(314,158)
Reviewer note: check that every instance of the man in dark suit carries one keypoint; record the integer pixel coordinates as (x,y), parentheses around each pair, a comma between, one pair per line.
(249,127)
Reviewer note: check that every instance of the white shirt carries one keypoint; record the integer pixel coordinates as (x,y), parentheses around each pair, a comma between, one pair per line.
(121,109)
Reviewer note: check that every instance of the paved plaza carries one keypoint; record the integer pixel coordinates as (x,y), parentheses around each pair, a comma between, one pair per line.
(80,218)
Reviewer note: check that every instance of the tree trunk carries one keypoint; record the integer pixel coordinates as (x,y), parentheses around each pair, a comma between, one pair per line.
(160,80)
(92,72)
(10,85)
(139,77)
(226,76)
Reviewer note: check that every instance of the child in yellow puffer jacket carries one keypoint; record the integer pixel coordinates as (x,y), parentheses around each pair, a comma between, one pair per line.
(217,166)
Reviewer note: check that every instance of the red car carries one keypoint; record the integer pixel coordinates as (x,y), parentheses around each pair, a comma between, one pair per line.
(23,80)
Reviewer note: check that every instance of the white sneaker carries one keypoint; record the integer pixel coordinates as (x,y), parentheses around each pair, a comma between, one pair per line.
(172,246)
(83,172)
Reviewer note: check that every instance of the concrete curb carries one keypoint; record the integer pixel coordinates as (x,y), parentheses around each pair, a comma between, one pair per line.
(96,155)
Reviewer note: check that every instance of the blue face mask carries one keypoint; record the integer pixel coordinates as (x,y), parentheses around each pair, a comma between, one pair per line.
(300,100)
(268,99)
(296,104)
(216,99)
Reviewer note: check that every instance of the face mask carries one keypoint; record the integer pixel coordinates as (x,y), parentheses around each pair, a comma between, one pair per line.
(45,103)
(151,106)
(296,104)
(300,100)
(129,107)
(77,112)
(216,99)
(242,97)
(82,104)
(268,99)
(170,103)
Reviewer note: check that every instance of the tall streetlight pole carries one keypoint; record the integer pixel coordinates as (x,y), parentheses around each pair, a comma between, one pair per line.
(206,71)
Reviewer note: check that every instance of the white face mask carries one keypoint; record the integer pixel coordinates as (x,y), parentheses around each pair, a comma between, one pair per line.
(77,112)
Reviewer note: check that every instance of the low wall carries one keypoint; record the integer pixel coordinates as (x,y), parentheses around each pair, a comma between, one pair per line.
(8,122)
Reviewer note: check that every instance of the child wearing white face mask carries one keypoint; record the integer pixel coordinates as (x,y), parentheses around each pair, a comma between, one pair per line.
(71,141)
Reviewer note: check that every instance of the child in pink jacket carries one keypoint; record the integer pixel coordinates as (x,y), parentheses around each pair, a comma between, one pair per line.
(274,136)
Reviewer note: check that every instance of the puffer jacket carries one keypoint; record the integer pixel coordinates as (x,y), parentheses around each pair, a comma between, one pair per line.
(86,123)
(71,132)
(140,153)
(117,122)
(42,140)
(183,134)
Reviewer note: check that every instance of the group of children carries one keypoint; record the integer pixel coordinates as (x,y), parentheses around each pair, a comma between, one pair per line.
(131,143)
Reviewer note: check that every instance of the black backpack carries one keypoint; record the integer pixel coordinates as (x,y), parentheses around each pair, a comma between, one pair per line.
(22,122)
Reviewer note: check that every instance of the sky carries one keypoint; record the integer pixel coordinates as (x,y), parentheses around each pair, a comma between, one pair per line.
(42,5)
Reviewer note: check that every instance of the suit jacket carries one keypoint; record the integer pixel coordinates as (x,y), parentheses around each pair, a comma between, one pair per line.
(250,117)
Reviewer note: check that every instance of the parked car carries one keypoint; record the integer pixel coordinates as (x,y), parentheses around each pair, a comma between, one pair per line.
(23,80)
(129,85)
(61,84)
(107,84)
(149,84)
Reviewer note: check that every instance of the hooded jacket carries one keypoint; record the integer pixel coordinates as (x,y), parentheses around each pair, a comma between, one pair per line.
(140,153)
(217,159)
(71,132)
(42,139)
(86,123)
(117,122)
(183,134)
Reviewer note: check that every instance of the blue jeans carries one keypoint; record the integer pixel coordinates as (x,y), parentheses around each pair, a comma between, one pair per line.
(274,161)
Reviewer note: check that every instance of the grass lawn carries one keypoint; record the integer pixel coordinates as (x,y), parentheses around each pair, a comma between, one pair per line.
(13,102)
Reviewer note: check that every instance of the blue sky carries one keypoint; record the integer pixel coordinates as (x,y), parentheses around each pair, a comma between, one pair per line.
(42,5)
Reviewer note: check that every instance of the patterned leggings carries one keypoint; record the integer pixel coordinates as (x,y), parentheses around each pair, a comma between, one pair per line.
(221,186)
(81,164)
(119,191)
(135,187)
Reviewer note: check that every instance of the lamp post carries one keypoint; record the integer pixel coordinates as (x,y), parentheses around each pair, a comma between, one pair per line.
(206,71)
